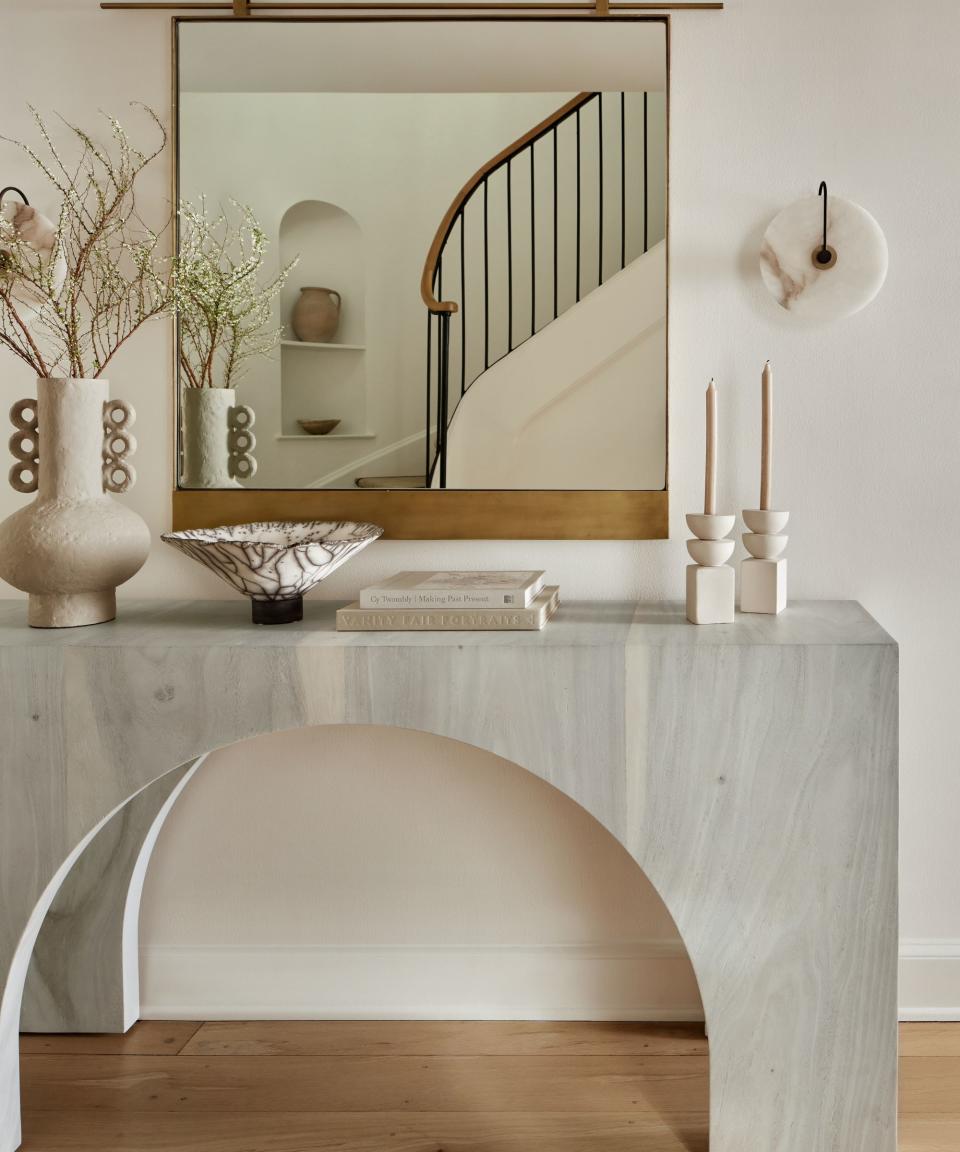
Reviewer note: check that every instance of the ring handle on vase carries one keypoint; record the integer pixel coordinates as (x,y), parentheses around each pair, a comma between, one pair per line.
(241,463)
(25,446)
(119,444)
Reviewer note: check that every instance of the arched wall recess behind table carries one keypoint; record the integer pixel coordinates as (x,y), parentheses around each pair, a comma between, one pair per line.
(329,379)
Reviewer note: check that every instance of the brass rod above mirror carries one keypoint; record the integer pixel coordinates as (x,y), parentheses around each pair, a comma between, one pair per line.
(242,8)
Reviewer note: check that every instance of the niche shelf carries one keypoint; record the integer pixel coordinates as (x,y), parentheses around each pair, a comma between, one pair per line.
(329,436)
(323,347)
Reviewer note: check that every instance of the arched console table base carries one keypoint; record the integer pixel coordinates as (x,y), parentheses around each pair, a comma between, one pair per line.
(84,968)
(749,769)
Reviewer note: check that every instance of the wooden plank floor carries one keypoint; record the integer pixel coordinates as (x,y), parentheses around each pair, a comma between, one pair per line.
(413,1086)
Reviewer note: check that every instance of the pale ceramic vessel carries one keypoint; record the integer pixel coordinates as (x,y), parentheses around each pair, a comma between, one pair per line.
(71,546)
(275,563)
(217,439)
(316,315)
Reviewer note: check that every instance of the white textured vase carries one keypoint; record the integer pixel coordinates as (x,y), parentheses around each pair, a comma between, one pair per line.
(71,546)
(218,439)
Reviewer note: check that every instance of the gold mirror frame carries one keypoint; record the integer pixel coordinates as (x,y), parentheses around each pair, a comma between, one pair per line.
(437,514)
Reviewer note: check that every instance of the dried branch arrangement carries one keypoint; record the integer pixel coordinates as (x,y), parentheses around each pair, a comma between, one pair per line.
(72,293)
(223,310)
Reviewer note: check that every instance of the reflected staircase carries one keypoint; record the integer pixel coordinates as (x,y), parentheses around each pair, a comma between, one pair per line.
(542,224)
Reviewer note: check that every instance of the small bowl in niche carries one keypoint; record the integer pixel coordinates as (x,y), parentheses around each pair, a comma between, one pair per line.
(274,562)
(318,427)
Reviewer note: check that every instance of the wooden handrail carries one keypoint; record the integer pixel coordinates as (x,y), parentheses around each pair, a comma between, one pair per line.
(446,224)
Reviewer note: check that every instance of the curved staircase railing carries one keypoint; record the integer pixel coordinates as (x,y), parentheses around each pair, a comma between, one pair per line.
(465,322)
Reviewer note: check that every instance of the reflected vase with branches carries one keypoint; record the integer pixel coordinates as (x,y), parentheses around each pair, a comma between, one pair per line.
(225,323)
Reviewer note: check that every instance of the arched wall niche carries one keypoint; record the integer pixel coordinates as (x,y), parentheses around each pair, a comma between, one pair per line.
(327,242)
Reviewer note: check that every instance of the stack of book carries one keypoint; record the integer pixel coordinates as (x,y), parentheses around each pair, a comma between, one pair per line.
(451,602)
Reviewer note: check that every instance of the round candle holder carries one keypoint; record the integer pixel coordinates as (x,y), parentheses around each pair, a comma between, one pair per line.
(763,578)
(710,580)
(709,527)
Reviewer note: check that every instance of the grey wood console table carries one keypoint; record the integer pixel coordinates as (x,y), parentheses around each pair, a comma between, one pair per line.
(750,769)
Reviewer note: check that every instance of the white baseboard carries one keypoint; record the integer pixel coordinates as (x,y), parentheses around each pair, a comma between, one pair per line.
(650,980)
(647,980)
(930,979)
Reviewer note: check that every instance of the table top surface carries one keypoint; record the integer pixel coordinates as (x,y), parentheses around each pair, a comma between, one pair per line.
(226,623)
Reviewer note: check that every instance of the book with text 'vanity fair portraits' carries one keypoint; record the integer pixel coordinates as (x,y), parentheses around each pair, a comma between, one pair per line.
(354,618)
(454,590)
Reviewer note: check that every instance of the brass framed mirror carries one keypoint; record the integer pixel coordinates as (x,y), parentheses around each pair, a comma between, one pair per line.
(471,340)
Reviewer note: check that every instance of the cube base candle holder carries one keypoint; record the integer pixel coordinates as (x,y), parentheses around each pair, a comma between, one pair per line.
(763,578)
(710,580)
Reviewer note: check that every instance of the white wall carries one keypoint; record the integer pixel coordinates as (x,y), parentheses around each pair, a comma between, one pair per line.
(419,877)
(765,104)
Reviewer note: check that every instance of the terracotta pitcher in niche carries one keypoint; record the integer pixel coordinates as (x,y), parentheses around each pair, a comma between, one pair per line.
(316,315)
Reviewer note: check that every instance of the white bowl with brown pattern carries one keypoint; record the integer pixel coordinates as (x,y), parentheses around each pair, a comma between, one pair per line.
(273,562)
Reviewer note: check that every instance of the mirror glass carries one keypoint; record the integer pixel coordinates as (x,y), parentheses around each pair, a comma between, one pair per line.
(473,215)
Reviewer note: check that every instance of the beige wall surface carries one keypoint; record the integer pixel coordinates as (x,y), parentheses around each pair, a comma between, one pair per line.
(765,104)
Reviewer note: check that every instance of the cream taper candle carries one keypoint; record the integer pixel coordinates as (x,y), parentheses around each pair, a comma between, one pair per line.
(766,451)
(710,470)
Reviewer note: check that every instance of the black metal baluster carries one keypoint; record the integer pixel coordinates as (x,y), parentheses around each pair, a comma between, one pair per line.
(444,354)
(533,241)
(509,261)
(486,281)
(442,367)
(623,179)
(645,172)
(555,259)
(463,304)
(578,205)
(600,188)
(426,434)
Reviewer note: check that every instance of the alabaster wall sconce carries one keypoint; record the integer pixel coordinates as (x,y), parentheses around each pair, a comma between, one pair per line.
(823,257)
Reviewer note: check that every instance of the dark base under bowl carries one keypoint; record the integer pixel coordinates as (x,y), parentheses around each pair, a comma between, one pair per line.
(277,611)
